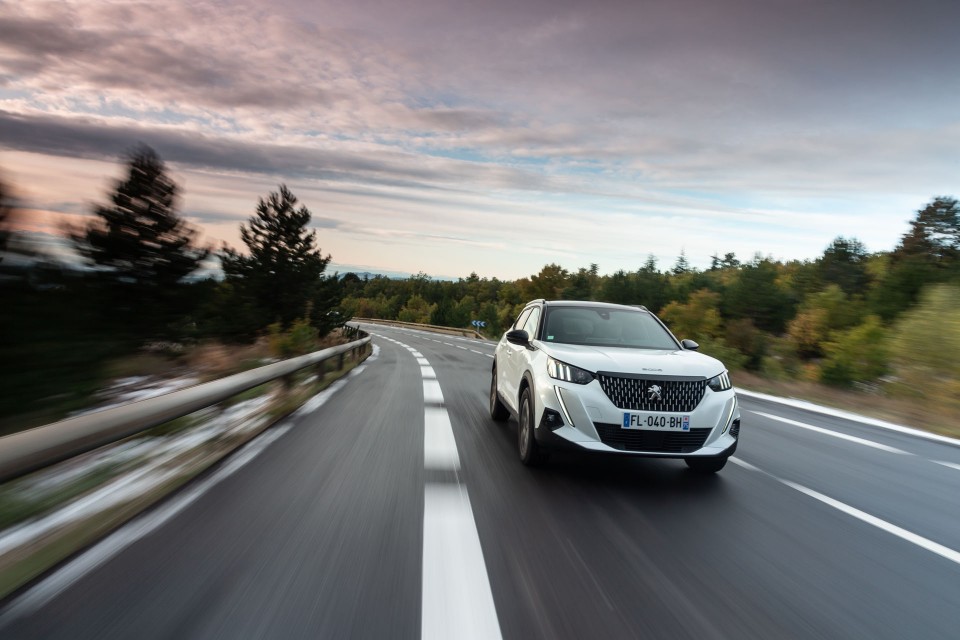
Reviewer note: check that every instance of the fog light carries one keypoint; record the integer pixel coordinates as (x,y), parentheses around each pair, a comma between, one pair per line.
(735,428)
(551,420)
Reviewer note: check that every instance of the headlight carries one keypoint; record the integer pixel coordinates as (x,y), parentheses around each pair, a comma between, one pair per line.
(568,373)
(720,382)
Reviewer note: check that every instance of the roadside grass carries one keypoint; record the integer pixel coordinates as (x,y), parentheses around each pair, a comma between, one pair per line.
(26,563)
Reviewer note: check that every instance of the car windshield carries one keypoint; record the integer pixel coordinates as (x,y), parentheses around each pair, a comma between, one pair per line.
(607,327)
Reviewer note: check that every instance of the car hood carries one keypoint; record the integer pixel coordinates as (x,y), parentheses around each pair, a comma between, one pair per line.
(651,362)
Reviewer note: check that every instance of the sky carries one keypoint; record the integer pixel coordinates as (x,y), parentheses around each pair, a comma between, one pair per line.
(496,136)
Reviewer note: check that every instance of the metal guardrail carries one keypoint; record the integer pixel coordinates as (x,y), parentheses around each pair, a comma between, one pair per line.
(26,451)
(418,325)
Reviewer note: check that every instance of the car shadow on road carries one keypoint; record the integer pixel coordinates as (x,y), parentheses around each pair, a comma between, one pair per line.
(633,476)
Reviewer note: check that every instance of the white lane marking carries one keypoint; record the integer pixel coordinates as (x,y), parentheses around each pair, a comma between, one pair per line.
(431,392)
(449,344)
(863,516)
(846,415)
(835,434)
(460,347)
(952,465)
(426,371)
(439,446)
(457,600)
(61,579)
(489,355)
(423,362)
(478,352)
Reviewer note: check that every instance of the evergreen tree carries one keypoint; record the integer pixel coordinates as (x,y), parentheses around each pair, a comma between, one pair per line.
(844,263)
(934,234)
(683,265)
(143,247)
(929,252)
(282,277)
(757,295)
(139,238)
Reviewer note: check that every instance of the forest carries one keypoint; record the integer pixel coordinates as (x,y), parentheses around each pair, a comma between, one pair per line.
(885,321)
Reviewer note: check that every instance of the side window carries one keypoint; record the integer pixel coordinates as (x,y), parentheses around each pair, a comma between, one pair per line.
(530,326)
(521,319)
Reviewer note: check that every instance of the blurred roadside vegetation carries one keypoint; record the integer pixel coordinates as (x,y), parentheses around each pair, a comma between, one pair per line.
(882,324)
(135,305)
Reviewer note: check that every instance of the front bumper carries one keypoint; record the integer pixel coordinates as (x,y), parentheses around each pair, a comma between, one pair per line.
(591,422)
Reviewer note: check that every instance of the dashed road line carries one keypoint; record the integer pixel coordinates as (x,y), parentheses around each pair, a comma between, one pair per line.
(854,439)
(863,516)
(834,434)
(456,600)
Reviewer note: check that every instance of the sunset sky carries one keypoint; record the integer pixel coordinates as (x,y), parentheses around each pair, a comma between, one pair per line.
(497,136)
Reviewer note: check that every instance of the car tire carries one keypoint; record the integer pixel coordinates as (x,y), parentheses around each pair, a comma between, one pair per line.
(530,453)
(706,465)
(498,411)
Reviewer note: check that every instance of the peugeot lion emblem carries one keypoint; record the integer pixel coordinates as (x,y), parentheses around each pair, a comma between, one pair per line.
(654,392)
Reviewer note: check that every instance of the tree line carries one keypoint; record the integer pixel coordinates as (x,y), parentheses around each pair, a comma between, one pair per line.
(138,287)
(848,317)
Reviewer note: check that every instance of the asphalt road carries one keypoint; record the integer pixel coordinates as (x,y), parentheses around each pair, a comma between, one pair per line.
(347,525)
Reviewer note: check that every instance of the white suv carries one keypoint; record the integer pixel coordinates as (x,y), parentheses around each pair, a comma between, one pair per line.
(611,378)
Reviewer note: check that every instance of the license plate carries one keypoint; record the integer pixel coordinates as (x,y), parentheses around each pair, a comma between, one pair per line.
(656,421)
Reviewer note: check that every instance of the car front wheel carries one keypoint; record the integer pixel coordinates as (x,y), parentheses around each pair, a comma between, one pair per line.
(498,411)
(530,453)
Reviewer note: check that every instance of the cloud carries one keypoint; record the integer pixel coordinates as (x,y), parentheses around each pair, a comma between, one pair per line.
(485,124)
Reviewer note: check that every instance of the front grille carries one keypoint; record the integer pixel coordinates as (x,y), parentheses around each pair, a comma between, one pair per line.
(613,435)
(636,394)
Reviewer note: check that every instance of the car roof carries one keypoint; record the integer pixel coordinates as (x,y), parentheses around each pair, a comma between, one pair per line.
(587,303)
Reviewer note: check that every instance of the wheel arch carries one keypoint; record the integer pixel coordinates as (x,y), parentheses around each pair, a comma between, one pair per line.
(526,382)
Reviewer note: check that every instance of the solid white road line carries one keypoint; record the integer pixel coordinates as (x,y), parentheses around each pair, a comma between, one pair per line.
(456,598)
(883,525)
(952,465)
(846,415)
(835,434)
(431,392)
(439,446)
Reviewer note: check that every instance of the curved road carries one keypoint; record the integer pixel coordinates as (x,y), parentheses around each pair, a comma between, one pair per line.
(397,509)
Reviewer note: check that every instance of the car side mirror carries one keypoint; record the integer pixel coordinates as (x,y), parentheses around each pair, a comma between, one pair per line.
(689,345)
(518,337)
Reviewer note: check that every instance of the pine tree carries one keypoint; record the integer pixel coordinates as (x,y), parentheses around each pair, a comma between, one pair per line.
(143,249)
(934,234)
(282,275)
(140,239)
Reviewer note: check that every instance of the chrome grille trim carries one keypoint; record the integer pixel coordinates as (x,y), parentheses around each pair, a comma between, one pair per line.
(677,395)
